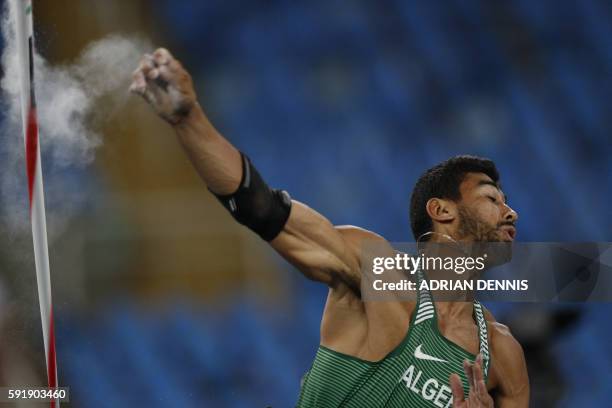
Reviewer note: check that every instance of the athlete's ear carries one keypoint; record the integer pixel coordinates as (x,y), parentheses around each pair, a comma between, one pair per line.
(440,210)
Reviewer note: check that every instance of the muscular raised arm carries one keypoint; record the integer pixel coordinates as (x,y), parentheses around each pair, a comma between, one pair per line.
(308,240)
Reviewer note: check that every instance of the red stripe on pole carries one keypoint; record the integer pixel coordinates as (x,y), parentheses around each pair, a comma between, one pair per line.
(51,367)
(31,150)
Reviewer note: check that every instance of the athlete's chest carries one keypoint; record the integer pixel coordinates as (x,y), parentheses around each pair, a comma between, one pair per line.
(461,333)
(417,373)
(429,359)
(466,336)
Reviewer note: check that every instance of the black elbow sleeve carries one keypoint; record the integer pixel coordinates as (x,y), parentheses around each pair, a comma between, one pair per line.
(257,206)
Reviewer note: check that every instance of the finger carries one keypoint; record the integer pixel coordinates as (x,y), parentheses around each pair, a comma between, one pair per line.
(473,400)
(477,370)
(149,68)
(457,389)
(166,75)
(482,390)
(149,96)
(162,56)
(148,91)
(152,82)
(172,73)
(467,368)
(146,64)
(175,74)
(138,82)
(152,74)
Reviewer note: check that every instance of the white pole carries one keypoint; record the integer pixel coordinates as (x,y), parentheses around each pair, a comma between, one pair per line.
(25,44)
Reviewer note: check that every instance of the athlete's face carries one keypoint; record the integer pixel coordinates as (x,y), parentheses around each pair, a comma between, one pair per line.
(483,214)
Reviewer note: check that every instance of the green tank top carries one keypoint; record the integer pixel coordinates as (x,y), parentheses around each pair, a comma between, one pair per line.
(415,374)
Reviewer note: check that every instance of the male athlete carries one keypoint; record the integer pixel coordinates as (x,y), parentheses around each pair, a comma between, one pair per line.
(372,354)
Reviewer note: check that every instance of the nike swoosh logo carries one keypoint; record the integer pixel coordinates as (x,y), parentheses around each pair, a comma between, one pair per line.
(422,356)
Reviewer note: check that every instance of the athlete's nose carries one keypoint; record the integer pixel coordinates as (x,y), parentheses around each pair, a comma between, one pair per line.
(510,215)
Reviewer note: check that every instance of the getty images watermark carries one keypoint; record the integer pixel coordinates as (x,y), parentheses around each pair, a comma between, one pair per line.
(496,271)
(439,266)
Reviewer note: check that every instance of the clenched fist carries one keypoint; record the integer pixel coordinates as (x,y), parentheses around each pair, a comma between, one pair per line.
(163,82)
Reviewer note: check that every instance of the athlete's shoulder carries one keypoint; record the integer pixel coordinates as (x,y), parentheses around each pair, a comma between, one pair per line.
(503,343)
(507,358)
(501,336)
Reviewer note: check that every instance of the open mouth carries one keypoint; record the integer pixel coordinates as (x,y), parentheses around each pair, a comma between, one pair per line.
(509,232)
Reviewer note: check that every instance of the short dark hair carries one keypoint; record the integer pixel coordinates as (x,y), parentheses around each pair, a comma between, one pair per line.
(443,181)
